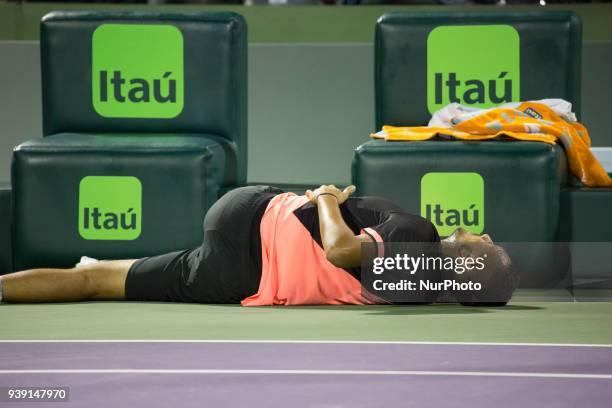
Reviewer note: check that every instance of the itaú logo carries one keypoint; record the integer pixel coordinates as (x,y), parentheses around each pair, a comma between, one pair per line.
(110,208)
(137,71)
(472,91)
(476,65)
(136,90)
(453,217)
(453,200)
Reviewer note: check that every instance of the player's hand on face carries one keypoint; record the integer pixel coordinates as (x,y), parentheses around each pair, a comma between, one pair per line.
(341,195)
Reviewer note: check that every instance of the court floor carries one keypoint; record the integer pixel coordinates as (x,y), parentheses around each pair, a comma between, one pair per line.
(528,354)
(307,374)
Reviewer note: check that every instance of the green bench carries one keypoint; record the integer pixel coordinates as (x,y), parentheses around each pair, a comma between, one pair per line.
(145,125)
(424,61)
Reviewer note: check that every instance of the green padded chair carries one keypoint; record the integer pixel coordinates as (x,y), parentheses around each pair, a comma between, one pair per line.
(587,224)
(144,127)
(6,259)
(423,61)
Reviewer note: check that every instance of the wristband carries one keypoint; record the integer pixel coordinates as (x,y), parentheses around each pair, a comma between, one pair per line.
(331,194)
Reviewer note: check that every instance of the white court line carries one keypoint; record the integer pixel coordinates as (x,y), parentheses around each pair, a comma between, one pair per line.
(312,372)
(441,343)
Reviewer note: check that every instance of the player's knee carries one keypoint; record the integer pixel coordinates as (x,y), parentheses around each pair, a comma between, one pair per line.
(88,282)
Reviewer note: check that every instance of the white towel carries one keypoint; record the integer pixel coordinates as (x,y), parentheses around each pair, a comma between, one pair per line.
(85,260)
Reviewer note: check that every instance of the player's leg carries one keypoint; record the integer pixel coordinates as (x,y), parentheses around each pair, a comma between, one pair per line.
(104,280)
(228,266)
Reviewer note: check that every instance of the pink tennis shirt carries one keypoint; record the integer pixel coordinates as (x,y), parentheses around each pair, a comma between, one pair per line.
(295,270)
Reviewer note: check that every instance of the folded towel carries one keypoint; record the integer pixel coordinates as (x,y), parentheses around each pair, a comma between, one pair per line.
(546,121)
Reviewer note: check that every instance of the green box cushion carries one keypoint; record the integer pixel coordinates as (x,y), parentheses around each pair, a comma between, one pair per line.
(6,262)
(180,177)
(522,179)
(585,213)
(214,72)
(586,221)
(550,58)
(522,182)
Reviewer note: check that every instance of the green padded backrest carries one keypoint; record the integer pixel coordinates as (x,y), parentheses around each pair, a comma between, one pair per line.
(537,54)
(146,72)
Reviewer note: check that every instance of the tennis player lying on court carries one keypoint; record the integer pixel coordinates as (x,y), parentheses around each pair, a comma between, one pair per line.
(261,246)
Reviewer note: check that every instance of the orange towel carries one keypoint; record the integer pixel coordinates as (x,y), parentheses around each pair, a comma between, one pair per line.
(529,121)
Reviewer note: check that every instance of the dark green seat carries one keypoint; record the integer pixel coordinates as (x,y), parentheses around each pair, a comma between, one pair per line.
(6,261)
(513,175)
(424,61)
(179,178)
(549,60)
(144,118)
(586,223)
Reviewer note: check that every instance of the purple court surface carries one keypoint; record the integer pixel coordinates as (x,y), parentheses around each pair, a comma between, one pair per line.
(310,374)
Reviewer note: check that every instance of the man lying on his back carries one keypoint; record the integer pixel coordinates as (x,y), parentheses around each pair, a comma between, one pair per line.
(263,246)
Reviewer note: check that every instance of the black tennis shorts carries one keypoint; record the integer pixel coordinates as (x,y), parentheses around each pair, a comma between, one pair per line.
(226,268)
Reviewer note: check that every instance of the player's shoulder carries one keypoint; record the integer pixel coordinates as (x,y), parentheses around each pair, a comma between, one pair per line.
(410,227)
(419,229)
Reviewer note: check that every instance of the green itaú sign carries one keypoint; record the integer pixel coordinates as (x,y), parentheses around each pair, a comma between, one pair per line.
(452,200)
(475,65)
(137,71)
(110,208)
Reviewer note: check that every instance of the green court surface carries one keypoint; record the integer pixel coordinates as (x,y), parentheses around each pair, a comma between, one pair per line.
(521,322)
